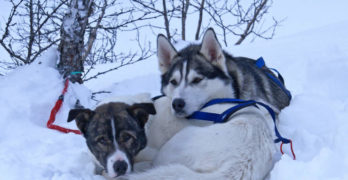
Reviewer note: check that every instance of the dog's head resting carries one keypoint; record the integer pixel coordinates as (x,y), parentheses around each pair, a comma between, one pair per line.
(114,133)
(194,75)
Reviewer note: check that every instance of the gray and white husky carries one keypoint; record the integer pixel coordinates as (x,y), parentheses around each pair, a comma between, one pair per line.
(241,148)
(198,73)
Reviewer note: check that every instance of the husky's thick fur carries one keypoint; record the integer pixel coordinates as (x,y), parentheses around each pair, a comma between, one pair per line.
(240,149)
(198,73)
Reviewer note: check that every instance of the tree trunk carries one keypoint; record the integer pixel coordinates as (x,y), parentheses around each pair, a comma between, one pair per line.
(71,46)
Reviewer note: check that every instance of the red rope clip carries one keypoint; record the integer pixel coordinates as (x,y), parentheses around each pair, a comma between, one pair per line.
(55,110)
(292,150)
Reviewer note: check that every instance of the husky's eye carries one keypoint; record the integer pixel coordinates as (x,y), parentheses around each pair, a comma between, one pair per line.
(197,80)
(173,82)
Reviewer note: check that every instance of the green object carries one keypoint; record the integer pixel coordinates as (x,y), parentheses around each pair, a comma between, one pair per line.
(76,72)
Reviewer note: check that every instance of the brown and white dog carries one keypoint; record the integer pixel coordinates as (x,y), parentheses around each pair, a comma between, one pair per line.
(114,133)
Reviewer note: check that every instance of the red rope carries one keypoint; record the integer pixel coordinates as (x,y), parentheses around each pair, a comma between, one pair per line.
(55,110)
(292,150)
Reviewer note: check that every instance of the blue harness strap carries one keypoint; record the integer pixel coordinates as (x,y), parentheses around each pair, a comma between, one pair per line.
(223,117)
(279,81)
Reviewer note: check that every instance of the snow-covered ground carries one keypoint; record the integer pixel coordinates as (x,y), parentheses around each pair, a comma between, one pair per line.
(315,67)
(311,52)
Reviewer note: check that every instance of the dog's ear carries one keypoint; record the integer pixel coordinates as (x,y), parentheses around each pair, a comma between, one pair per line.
(141,112)
(82,118)
(165,53)
(211,49)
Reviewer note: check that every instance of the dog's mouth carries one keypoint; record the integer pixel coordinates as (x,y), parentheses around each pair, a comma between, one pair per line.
(182,114)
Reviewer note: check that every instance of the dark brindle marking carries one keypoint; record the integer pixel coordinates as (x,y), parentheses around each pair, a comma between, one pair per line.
(111,130)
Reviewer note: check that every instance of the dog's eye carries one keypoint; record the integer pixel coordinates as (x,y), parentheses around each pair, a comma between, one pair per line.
(102,140)
(173,82)
(127,137)
(197,80)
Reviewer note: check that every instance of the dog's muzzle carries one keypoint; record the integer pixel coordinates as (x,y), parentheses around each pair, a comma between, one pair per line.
(120,167)
(178,105)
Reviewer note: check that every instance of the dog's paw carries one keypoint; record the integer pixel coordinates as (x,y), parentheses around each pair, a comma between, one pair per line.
(98,170)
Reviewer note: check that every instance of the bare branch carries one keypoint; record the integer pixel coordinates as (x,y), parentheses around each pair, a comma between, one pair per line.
(6,33)
(33,26)
(251,23)
(31,31)
(93,33)
(185,6)
(131,61)
(200,19)
(166,21)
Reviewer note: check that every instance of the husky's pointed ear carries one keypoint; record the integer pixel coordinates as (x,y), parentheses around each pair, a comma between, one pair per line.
(211,48)
(82,118)
(165,53)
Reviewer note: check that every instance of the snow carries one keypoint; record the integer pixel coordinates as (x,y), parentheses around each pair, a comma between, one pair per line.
(28,149)
(302,15)
(313,63)
(312,56)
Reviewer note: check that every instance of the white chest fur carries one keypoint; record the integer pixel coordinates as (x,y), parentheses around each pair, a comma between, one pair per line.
(241,148)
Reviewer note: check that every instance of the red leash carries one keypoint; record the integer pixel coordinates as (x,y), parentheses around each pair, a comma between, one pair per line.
(292,150)
(55,110)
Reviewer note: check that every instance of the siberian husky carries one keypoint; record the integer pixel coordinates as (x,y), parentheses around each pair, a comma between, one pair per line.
(241,148)
(198,73)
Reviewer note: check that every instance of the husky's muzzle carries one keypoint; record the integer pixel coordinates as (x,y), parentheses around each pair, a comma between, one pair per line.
(178,105)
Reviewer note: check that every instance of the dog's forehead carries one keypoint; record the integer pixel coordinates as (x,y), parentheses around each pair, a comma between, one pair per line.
(189,50)
(115,112)
(190,59)
(197,64)
(187,58)
(111,107)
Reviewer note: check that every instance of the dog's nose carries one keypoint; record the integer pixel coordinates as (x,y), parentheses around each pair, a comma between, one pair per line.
(120,167)
(178,104)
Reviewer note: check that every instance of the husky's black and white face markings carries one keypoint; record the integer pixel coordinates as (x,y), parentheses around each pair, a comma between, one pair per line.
(194,75)
(114,134)
(198,73)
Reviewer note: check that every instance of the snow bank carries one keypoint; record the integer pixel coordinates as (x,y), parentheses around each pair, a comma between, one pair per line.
(315,67)
(28,150)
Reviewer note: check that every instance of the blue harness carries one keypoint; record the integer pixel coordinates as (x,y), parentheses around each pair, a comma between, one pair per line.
(279,81)
(223,117)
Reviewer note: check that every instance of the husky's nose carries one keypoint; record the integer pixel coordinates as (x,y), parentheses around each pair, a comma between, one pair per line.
(178,104)
(120,167)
